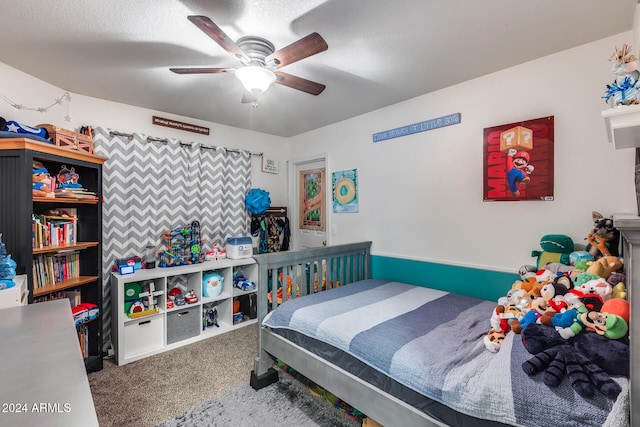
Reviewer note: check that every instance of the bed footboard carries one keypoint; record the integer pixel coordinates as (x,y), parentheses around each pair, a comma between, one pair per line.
(292,274)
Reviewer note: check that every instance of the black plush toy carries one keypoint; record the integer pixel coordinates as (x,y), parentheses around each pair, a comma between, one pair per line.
(587,359)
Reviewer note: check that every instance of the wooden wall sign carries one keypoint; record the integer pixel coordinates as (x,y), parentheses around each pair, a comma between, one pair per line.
(439,122)
(160,121)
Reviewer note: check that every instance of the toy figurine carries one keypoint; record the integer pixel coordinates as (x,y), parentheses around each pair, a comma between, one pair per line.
(624,90)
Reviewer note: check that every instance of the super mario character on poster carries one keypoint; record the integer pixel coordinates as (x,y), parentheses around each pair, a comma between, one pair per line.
(518,161)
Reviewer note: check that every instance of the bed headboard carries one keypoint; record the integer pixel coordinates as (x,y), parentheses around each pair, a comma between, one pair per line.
(330,266)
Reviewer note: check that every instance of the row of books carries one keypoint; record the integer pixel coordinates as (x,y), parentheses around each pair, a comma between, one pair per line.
(53,230)
(75,193)
(73,295)
(49,269)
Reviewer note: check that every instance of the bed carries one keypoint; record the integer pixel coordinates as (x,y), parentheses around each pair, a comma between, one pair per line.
(428,370)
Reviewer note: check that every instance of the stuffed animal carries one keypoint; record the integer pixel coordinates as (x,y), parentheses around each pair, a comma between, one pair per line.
(555,248)
(537,309)
(608,325)
(604,238)
(41,186)
(624,89)
(588,360)
(604,266)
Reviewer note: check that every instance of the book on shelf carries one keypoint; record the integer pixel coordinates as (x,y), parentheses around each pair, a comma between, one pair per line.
(49,269)
(54,229)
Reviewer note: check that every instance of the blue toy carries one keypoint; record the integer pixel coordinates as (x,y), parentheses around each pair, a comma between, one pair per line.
(212,284)
(7,268)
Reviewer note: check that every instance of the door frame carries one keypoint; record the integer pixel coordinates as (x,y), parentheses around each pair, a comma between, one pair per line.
(294,201)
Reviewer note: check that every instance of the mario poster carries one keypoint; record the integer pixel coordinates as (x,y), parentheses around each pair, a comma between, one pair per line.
(518,161)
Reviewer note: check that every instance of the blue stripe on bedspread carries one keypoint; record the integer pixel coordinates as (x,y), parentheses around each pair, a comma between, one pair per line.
(431,342)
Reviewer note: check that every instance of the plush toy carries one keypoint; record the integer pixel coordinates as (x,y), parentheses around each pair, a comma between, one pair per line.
(41,186)
(555,248)
(587,360)
(604,266)
(624,89)
(212,284)
(537,309)
(604,238)
(608,325)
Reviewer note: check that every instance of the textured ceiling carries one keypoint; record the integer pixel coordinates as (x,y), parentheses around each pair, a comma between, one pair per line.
(380,52)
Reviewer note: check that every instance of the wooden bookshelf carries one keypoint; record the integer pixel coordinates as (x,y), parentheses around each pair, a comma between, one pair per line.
(17,208)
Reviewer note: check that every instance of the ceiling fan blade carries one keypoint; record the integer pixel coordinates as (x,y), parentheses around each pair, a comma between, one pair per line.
(219,36)
(200,70)
(299,83)
(303,48)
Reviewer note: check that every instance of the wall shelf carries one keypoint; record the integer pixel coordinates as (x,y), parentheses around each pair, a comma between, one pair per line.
(623,125)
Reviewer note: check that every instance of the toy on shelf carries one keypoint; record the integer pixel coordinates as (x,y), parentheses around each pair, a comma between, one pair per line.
(43,185)
(191,297)
(182,246)
(7,268)
(149,296)
(212,284)
(624,89)
(68,185)
(217,252)
(210,318)
(242,283)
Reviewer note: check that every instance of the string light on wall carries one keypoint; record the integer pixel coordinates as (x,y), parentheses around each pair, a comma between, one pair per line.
(64,98)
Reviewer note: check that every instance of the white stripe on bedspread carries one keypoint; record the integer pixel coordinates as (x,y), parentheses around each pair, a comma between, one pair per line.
(332,330)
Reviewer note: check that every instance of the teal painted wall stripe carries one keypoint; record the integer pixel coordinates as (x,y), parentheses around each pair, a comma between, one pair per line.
(485,284)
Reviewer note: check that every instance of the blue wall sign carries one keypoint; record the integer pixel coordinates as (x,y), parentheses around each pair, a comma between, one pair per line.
(451,119)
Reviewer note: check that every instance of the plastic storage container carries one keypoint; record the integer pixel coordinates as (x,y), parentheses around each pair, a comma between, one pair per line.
(239,247)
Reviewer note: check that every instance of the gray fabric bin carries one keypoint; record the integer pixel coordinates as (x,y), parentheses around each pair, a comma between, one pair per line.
(183,323)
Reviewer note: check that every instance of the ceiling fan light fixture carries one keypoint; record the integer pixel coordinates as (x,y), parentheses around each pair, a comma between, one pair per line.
(255,79)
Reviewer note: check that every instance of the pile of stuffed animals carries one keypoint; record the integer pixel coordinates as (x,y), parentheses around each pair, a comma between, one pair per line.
(572,311)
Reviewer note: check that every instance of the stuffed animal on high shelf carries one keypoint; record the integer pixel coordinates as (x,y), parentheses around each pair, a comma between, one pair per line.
(624,89)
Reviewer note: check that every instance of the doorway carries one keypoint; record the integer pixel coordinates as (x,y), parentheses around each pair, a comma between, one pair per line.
(310,173)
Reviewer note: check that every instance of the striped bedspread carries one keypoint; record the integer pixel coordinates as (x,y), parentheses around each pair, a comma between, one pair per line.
(431,342)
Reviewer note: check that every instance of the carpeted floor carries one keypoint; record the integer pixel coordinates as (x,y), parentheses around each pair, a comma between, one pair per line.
(208,380)
(157,388)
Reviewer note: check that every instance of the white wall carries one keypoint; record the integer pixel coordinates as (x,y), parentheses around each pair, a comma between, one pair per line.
(21,88)
(421,195)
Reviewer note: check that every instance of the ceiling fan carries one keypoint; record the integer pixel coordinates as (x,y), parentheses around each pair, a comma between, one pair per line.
(260,60)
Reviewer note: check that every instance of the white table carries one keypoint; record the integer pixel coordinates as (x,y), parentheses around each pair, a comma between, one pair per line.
(43,381)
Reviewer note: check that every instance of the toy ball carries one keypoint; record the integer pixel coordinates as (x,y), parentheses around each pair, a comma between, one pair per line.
(212,284)
(174,292)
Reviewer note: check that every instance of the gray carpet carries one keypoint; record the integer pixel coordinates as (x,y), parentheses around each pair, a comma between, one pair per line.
(213,373)
(287,403)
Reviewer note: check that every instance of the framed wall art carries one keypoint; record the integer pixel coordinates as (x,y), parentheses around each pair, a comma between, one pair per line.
(518,161)
(312,199)
(345,191)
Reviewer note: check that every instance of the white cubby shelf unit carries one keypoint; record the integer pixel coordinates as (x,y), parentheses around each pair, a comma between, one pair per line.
(136,338)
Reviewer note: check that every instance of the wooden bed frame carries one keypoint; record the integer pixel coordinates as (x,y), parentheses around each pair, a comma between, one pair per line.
(349,263)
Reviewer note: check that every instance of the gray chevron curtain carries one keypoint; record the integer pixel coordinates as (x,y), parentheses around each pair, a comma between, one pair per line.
(152,184)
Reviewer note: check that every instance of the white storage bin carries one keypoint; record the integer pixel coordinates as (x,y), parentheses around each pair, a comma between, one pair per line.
(16,296)
(144,334)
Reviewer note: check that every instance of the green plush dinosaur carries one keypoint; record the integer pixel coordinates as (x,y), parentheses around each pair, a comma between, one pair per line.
(555,248)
